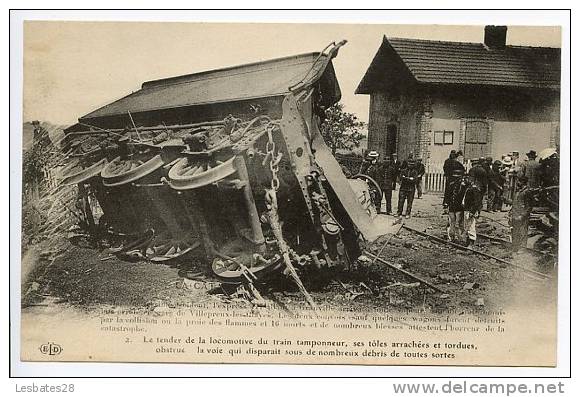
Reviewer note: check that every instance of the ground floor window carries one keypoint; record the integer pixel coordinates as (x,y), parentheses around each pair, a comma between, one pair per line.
(476,138)
(443,137)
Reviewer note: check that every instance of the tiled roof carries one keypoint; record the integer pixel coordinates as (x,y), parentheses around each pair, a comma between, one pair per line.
(442,62)
(256,80)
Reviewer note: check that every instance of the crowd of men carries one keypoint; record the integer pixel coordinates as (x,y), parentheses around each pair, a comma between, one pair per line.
(409,174)
(504,184)
(509,183)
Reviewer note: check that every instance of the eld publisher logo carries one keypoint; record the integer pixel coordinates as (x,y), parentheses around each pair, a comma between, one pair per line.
(51,349)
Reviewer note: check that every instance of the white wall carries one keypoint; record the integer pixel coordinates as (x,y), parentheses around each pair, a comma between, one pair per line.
(507,136)
(521,136)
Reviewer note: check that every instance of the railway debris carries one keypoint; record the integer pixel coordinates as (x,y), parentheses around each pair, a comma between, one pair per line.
(461,247)
(405,272)
(253,194)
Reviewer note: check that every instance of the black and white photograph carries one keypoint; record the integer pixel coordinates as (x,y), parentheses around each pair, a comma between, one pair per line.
(312,193)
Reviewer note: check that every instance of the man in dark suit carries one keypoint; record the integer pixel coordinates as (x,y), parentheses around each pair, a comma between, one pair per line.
(397,165)
(408,177)
(388,180)
(452,170)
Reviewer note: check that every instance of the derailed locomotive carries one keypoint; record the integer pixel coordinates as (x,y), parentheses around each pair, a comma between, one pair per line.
(228,165)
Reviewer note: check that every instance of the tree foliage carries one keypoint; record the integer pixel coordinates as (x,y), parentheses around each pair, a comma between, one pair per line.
(341,130)
(37,158)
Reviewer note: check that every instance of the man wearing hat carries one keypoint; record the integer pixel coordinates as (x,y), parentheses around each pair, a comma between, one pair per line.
(516,157)
(369,163)
(372,167)
(512,168)
(531,170)
(505,170)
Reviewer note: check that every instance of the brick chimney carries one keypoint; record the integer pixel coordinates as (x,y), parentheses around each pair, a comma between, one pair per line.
(495,37)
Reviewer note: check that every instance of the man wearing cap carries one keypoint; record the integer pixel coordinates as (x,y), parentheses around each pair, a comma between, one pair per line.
(473,203)
(409,159)
(447,168)
(531,170)
(455,216)
(397,165)
(473,199)
(479,173)
(407,190)
(387,181)
(452,170)
(520,213)
(487,164)
(496,183)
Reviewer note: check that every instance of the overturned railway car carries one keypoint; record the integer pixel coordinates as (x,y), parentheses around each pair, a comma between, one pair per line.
(228,165)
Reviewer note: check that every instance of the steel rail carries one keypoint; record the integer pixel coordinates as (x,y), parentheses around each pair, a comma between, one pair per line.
(540,274)
(407,273)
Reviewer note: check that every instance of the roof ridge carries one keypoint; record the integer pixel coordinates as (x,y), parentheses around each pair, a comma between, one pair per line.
(466,43)
(534,47)
(167,81)
(436,41)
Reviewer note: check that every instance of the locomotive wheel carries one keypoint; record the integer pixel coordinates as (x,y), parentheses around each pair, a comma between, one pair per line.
(229,272)
(121,172)
(77,174)
(184,176)
(163,250)
(133,241)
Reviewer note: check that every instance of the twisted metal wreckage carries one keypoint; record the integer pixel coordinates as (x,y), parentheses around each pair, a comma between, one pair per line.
(253,190)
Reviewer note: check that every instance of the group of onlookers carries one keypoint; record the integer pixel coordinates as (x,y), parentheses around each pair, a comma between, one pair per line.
(504,183)
(387,173)
(508,181)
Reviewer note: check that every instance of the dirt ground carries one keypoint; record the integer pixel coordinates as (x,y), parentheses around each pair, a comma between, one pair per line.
(57,272)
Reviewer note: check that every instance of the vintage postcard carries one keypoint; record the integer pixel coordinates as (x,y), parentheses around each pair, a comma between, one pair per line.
(290,193)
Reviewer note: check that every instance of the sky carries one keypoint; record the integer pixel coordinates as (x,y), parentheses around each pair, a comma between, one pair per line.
(72,68)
